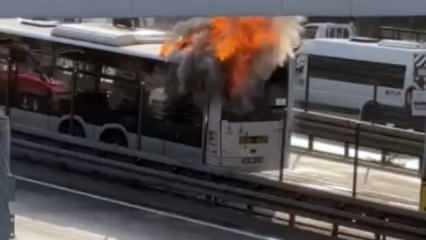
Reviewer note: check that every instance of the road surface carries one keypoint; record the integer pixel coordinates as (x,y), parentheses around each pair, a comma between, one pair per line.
(88,214)
(374,185)
(44,213)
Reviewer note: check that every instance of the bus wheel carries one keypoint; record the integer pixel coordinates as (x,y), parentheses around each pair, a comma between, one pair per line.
(370,112)
(115,137)
(76,131)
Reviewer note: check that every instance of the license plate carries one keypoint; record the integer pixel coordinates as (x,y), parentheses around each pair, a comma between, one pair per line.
(252,160)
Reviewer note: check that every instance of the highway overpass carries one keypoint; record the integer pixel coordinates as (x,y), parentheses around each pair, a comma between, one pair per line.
(156,8)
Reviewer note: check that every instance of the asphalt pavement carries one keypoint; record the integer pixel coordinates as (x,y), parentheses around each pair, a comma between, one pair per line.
(62,211)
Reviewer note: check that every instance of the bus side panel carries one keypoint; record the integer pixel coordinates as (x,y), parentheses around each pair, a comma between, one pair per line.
(153,145)
(339,94)
(390,96)
(182,152)
(29,118)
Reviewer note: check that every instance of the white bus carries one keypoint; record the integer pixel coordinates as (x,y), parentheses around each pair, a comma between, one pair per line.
(368,77)
(96,82)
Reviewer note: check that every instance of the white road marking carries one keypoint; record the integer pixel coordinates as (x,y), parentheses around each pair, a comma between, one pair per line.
(146,209)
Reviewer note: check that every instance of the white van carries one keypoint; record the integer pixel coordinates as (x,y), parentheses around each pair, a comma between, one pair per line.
(369,77)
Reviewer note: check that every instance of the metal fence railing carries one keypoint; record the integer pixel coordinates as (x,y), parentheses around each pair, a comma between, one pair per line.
(402,34)
(6,188)
(252,192)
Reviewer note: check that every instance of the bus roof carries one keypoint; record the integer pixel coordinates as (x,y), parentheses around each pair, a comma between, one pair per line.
(15,27)
(385,51)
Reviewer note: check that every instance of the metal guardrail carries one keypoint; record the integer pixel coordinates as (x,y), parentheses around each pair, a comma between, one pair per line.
(226,190)
(6,184)
(353,133)
(350,161)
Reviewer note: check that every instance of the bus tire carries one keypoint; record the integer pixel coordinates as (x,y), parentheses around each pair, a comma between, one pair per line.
(370,112)
(76,131)
(114,136)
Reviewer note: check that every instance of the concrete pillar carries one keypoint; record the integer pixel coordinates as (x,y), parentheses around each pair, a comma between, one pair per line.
(5,226)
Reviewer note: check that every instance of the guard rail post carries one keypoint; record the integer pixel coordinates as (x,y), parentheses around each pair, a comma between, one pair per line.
(6,181)
(307,86)
(346,146)
(287,120)
(356,161)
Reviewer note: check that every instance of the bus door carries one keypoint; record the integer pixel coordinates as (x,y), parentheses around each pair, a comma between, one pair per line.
(171,123)
(212,134)
(184,127)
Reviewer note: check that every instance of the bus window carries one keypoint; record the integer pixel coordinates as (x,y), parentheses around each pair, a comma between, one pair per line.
(40,52)
(331,32)
(154,102)
(30,90)
(345,33)
(86,78)
(31,56)
(90,103)
(3,74)
(361,72)
(106,92)
(176,120)
(268,104)
(184,116)
(121,88)
(62,74)
(33,103)
(339,32)
(310,32)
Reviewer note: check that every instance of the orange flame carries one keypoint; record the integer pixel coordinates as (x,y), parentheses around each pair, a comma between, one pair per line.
(171,46)
(234,41)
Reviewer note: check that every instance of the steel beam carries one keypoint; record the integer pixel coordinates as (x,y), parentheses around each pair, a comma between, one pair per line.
(139,8)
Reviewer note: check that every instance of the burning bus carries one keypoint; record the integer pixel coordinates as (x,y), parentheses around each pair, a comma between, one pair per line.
(207,93)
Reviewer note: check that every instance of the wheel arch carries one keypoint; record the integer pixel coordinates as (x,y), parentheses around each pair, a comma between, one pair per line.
(77,119)
(113,128)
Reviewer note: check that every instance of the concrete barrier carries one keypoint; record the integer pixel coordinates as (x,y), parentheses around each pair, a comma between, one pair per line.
(5,191)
